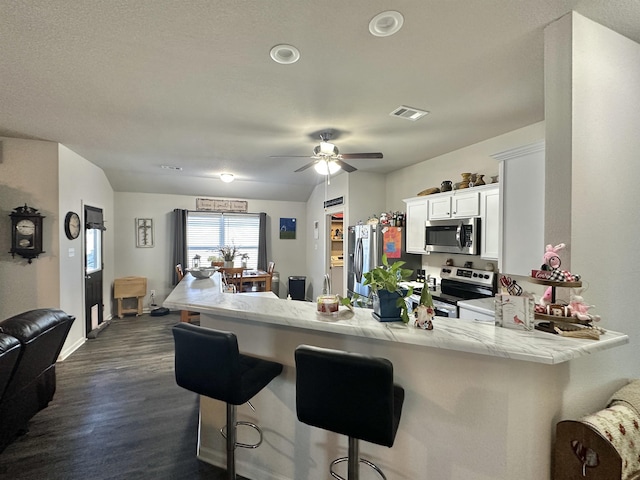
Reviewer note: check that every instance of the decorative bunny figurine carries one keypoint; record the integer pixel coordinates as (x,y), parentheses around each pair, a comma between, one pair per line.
(550,259)
(580,310)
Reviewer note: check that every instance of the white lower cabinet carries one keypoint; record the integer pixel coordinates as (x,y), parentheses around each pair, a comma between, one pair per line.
(415,223)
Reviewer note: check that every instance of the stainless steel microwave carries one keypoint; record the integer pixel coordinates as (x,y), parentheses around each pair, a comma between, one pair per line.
(455,235)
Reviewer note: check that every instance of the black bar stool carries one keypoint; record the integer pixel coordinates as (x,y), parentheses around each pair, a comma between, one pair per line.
(350,394)
(208,363)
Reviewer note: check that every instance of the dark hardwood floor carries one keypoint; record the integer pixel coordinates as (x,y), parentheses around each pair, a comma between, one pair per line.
(117,413)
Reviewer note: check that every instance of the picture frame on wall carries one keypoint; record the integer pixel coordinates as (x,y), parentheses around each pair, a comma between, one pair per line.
(287,228)
(144,232)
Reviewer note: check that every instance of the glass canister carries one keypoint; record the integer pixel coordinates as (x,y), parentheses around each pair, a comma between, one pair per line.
(327,304)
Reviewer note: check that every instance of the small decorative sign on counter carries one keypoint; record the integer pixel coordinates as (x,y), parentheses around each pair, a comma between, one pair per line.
(515,311)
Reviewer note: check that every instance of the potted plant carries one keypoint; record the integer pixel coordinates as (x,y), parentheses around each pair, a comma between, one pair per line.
(228,253)
(216,260)
(244,258)
(388,296)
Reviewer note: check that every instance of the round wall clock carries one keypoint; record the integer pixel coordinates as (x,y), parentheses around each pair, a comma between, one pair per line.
(72,225)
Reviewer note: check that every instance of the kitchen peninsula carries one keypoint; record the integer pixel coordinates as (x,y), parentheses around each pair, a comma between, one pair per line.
(481,401)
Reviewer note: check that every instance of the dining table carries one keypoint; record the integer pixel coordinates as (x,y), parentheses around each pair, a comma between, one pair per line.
(259,278)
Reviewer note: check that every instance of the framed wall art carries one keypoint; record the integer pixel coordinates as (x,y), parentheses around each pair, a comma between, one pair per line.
(144,232)
(287,228)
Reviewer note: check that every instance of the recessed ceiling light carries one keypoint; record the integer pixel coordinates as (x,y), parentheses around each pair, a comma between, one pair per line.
(171,167)
(227,177)
(386,23)
(285,54)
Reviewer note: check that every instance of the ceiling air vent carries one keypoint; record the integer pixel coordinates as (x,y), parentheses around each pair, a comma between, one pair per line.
(408,113)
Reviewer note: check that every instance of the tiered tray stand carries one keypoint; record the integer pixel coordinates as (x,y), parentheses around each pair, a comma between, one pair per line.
(554,285)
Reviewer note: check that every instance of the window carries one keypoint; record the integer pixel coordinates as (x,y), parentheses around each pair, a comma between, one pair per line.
(207,232)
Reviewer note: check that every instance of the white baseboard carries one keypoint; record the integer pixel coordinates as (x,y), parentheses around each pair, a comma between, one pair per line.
(64,354)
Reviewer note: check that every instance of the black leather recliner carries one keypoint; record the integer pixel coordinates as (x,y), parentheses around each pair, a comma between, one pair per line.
(29,347)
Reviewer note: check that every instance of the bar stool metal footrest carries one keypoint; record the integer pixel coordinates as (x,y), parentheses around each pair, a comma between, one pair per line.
(354,460)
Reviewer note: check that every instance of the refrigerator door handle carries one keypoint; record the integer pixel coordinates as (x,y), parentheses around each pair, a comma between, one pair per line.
(357,261)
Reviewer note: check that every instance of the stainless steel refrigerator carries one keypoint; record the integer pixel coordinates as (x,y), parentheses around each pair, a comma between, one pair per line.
(366,244)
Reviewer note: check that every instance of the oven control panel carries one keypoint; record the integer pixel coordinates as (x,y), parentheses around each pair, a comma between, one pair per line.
(468,275)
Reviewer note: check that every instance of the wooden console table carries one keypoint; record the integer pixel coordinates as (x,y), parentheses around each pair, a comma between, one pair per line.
(129,287)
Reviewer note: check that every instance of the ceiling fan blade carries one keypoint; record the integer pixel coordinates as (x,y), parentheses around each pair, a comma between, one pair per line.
(361,155)
(345,166)
(306,166)
(288,156)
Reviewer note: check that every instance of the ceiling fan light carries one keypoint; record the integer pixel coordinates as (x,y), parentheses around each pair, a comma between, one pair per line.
(327,148)
(326,167)
(227,177)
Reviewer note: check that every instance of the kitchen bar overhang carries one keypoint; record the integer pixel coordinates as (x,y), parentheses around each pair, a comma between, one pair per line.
(481,401)
(448,333)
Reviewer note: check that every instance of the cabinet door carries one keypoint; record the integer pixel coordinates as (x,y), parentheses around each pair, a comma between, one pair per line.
(465,205)
(440,208)
(416,217)
(522,184)
(490,224)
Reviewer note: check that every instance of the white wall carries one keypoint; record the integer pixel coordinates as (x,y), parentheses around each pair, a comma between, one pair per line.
(476,158)
(409,181)
(156,263)
(316,249)
(82,183)
(601,144)
(364,195)
(29,174)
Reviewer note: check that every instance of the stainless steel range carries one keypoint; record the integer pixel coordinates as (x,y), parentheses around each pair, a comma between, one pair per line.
(457,284)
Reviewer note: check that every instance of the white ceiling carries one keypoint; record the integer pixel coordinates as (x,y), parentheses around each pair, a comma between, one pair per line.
(133,85)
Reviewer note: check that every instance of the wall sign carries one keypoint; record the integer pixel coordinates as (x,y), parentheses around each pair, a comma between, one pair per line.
(144,232)
(215,205)
(333,202)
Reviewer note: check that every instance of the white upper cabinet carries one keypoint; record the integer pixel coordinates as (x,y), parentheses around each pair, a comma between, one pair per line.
(465,205)
(415,224)
(454,205)
(439,208)
(522,186)
(490,224)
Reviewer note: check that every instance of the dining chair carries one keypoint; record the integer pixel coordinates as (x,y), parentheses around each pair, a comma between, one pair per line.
(185,315)
(233,276)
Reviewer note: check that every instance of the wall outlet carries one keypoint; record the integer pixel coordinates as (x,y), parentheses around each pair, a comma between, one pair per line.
(153,293)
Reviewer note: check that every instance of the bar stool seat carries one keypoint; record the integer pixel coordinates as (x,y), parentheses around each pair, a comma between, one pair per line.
(208,362)
(350,394)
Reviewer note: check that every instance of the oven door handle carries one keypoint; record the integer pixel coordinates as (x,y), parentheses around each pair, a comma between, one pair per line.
(459,235)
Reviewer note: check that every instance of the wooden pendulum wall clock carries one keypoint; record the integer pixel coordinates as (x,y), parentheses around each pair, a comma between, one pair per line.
(26,232)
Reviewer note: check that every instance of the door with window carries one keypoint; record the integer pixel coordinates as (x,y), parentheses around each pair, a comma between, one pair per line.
(93,301)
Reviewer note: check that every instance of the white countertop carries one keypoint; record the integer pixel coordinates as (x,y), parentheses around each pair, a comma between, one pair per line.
(450,334)
(480,305)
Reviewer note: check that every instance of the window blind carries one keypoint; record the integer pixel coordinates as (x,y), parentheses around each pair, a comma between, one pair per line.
(208,232)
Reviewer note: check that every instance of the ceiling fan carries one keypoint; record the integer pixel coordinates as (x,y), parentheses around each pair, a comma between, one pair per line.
(327,159)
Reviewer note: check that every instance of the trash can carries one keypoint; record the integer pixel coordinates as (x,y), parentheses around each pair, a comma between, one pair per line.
(297,288)
(275,283)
